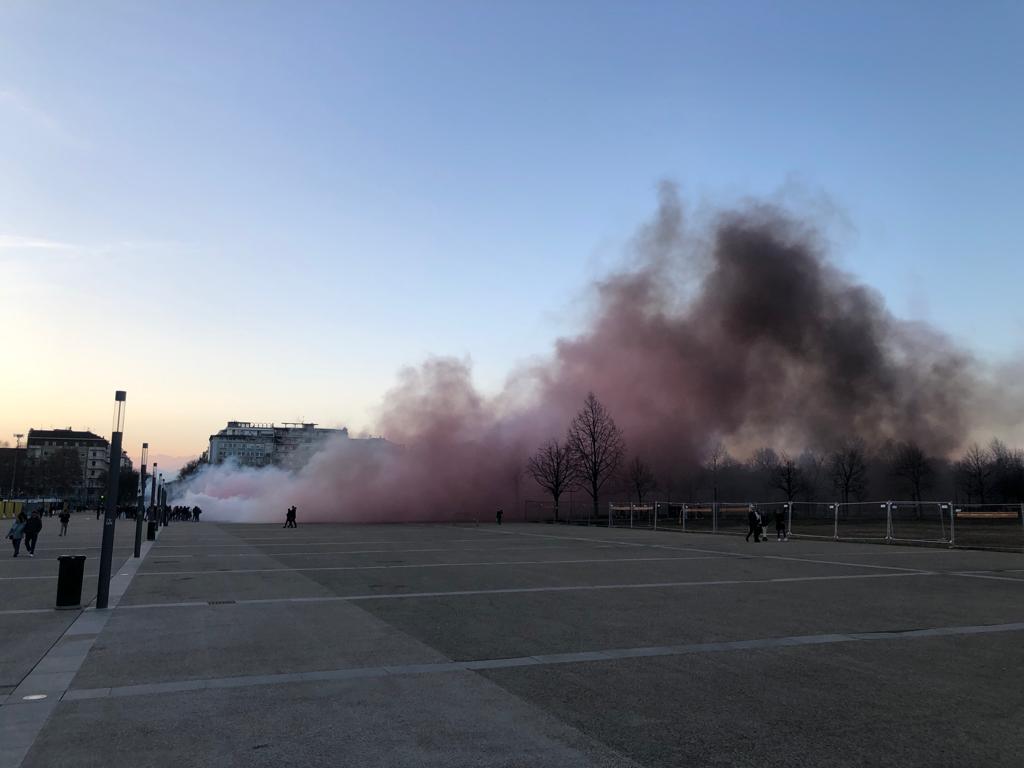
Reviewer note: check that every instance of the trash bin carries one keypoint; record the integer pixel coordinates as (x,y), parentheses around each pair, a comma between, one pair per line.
(151,530)
(69,581)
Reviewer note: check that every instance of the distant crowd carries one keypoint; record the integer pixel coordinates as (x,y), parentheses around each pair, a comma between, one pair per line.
(185,513)
(27,526)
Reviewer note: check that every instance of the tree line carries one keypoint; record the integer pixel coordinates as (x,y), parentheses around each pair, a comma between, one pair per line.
(60,475)
(592,458)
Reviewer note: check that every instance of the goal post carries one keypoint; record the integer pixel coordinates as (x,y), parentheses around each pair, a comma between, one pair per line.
(630,515)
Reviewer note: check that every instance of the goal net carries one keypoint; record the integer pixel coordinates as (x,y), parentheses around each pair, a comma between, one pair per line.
(631,515)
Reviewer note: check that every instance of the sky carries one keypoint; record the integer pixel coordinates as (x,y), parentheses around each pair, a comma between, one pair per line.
(264,210)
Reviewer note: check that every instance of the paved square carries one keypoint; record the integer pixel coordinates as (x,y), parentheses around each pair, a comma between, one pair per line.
(538,645)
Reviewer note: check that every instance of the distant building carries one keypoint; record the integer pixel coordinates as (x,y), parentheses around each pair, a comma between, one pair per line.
(93,459)
(12,471)
(253,444)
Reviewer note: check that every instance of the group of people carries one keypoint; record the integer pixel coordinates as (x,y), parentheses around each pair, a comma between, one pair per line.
(184,513)
(28,527)
(289,517)
(758,522)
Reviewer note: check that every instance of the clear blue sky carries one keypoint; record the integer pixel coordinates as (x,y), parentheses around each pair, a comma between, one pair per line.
(290,200)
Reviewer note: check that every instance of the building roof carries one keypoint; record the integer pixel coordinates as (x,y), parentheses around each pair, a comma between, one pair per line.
(63,434)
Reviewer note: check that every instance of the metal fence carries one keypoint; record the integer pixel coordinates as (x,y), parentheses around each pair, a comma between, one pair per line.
(573,509)
(997,526)
(991,526)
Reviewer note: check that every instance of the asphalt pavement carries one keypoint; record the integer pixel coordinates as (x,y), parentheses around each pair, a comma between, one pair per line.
(524,644)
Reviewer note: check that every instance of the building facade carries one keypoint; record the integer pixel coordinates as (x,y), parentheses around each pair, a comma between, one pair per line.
(44,447)
(253,444)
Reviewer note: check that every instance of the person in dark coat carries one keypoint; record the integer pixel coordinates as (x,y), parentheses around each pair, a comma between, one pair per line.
(65,518)
(780,525)
(32,529)
(498,514)
(289,518)
(754,523)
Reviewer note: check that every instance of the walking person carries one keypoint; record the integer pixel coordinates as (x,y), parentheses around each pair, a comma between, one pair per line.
(32,529)
(498,514)
(16,531)
(780,525)
(754,523)
(289,518)
(65,518)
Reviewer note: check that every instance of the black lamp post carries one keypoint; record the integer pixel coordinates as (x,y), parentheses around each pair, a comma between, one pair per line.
(141,511)
(113,481)
(161,501)
(14,471)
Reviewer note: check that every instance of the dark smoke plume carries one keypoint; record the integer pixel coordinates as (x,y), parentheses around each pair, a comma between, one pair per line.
(744,333)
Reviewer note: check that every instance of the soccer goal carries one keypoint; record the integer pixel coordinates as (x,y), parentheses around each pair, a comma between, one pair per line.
(632,515)
(929,522)
(536,511)
(811,519)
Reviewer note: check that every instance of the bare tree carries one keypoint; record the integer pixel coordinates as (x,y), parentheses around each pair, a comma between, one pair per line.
(812,466)
(788,477)
(848,467)
(194,465)
(764,463)
(717,458)
(1007,471)
(974,470)
(910,463)
(63,471)
(640,477)
(597,445)
(555,469)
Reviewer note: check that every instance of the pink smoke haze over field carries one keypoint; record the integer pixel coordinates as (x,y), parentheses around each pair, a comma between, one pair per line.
(739,331)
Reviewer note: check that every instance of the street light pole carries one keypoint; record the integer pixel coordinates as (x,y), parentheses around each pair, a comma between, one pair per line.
(160,498)
(141,512)
(152,494)
(14,471)
(113,481)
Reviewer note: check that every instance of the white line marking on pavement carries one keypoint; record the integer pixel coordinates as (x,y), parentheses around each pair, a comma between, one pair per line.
(312,543)
(424,565)
(24,713)
(609,654)
(974,575)
(748,554)
(527,590)
(521,548)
